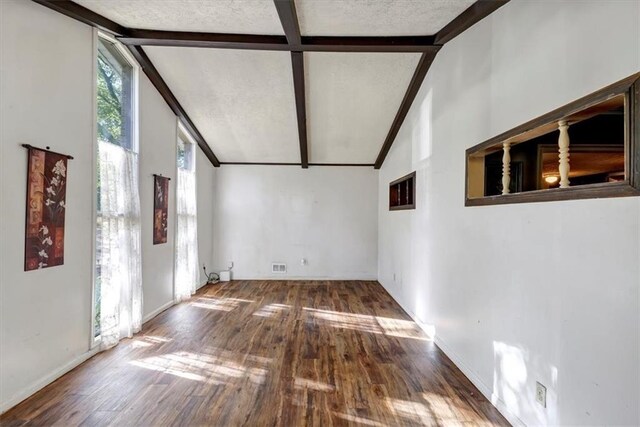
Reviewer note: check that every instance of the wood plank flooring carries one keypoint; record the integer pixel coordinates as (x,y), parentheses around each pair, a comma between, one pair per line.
(268,353)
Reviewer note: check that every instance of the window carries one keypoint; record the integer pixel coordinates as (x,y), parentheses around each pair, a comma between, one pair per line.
(187,264)
(185,153)
(402,193)
(115,88)
(117,279)
(586,149)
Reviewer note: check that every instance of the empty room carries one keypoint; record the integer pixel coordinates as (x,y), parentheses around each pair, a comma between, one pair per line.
(319,213)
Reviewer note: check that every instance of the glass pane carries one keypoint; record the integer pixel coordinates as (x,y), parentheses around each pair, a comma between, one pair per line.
(114,96)
(185,154)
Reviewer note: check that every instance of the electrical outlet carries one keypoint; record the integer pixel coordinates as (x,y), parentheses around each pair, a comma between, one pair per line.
(230,265)
(303,261)
(541,394)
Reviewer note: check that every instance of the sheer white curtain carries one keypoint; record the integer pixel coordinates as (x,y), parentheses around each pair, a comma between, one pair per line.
(118,253)
(187,270)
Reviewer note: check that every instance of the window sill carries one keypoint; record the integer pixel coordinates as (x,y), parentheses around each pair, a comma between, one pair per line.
(402,207)
(593,191)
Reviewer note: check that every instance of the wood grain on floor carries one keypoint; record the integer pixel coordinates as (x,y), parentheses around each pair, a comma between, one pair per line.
(268,353)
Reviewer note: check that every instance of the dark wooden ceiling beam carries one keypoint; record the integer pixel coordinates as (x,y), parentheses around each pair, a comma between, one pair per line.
(474,13)
(155,78)
(208,40)
(82,14)
(289,19)
(416,81)
(278,43)
(297,63)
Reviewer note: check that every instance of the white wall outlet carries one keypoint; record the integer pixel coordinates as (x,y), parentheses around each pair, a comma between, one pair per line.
(541,394)
(303,261)
(230,265)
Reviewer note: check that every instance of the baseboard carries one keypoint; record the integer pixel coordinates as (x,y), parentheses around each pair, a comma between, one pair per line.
(480,385)
(45,381)
(157,311)
(469,373)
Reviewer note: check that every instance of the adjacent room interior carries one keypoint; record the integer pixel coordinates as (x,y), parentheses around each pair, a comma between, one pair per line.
(319,212)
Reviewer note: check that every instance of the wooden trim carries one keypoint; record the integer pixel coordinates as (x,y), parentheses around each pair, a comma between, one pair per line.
(368,44)
(628,188)
(289,19)
(474,13)
(297,63)
(82,14)
(260,163)
(416,81)
(298,164)
(633,106)
(592,191)
(142,37)
(157,81)
(369,165)
(411,176)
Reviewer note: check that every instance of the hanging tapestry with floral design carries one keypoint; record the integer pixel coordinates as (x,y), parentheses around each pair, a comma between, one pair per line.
(46,193)
(160,209)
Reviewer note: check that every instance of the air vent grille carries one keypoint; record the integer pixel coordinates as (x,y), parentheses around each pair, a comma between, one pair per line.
(278,267)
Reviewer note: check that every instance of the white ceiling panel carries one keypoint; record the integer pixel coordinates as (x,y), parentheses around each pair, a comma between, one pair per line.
(214,16)
(352,99)
(241,101)
(377,18)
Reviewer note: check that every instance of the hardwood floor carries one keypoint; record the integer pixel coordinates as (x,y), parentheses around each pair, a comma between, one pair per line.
(268,353)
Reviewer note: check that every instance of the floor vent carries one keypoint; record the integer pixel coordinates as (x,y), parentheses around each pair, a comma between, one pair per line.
(278,267)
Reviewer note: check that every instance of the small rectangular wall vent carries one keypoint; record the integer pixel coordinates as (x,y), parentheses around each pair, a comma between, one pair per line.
(278,267)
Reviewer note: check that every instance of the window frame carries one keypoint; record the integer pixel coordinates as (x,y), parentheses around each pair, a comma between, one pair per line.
(407,206)
(630,187)
(94,341)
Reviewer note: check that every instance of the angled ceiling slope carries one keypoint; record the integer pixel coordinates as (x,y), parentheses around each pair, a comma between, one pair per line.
(269,102)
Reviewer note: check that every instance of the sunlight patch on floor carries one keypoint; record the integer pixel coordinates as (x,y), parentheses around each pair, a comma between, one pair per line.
(413,411)
(202,368)
(272,310)
(220,304)
(303,383)
(373,324)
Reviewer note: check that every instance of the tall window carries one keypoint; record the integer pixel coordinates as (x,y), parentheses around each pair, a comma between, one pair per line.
(118,285)
(187,271)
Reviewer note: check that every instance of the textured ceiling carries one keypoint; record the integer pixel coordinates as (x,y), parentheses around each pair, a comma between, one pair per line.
(215,16)
(377,17)
(241,101)
(352,99)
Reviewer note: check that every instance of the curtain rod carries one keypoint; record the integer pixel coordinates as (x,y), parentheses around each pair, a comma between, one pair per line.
(160,175)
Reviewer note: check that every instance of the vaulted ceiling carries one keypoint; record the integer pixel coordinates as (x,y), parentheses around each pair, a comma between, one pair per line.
(286,81)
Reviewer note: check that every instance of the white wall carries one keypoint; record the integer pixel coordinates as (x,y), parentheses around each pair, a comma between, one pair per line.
(46,75)
(516,294)
(158,152)
(206,188)
(327,215)
(47,98)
